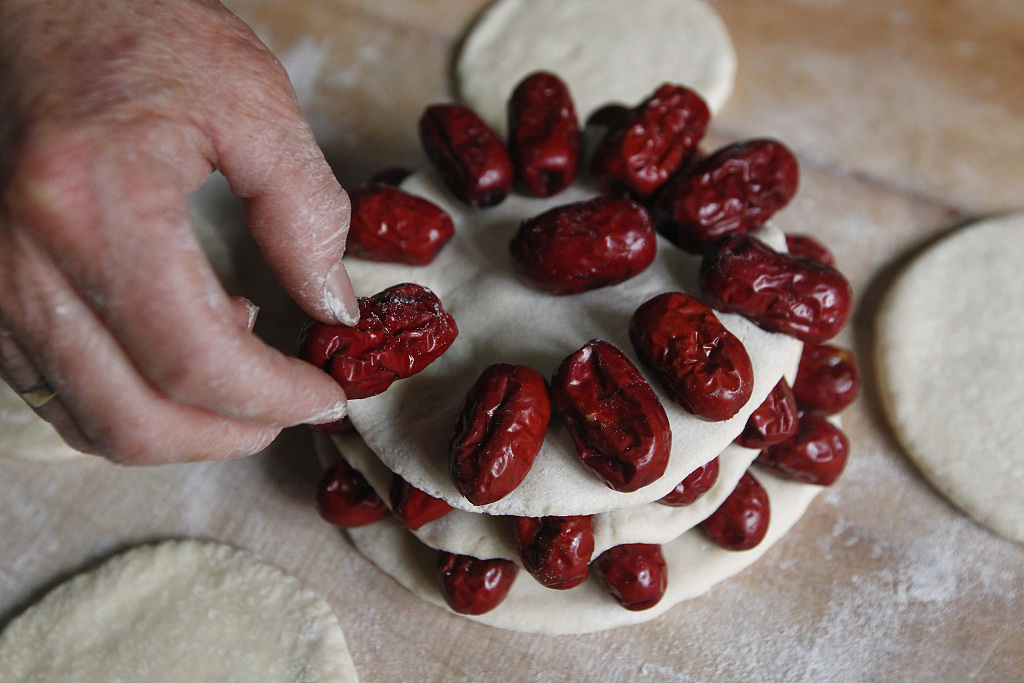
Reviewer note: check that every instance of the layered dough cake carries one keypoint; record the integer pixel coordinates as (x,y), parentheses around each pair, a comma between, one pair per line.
(538,305)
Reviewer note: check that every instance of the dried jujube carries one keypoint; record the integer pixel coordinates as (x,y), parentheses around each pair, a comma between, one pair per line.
(544,135)
(773,421)
(499,432)
(703,366)
(741,522)
(634,573)
(401,330)
(828,379)
(617,424)
(412,507)
(345,499)
(473,586)
(390,225)
(816,454)
(693,486)
(556,551)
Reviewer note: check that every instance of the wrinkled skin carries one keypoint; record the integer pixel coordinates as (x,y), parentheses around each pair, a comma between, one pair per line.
(111,113)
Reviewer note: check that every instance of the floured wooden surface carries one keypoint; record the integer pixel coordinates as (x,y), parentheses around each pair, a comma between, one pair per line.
(907,117)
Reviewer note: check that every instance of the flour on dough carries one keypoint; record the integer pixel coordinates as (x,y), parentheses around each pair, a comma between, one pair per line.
(178,612)
(605,51)
(950,361)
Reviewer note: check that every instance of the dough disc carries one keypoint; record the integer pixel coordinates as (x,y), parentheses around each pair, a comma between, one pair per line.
(950,355)
(178,612)
(605,51)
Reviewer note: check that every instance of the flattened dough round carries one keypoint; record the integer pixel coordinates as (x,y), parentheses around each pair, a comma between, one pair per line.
(178,612)
(605,51)
(950,357)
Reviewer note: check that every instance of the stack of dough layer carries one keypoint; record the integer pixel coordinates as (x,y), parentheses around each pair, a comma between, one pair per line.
(406,429)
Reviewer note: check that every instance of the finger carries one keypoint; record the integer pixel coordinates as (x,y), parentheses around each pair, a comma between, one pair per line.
(295,208)
(17,369)
(245,312)
(118,414)
(115,218)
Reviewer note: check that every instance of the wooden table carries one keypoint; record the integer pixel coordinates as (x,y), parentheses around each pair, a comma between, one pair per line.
(908,118)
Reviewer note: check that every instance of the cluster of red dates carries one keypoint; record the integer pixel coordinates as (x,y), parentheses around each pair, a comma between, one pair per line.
(652,177)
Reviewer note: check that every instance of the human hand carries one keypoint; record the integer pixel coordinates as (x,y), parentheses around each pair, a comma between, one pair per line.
(111,113)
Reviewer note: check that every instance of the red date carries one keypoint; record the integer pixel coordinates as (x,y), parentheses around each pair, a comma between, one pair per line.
(809,248)
(401,330)
(394,226)
(703,366)
(616,422)
(467,153)
(734,190)
(816,454)
(414,508)
(641,151)
(695,485)
(555,550)
(473,586)
(779,292)
(741,522)
(499,432)
(345,499)
(828,379)
(774,420)
(544,135)
(634,573)
(585,245)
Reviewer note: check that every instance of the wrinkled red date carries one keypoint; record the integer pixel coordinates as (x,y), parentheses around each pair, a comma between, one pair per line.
(695,485)
(499,432)
(828,379)
(734,190)
(474,586)
(584,245)
(779,292)
(741,522)
(703,366)
(809,248)
(469,156)
(394,226)
(345,499)
(616,422)
(634,573)
(401,330)
(816,454)
(643,149)
(774,420)
(555,550)
(544,135)
(412,507)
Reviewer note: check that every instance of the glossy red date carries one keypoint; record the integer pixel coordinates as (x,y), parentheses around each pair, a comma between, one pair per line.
(741,522)
(735,189)
(585,245)
(703,367)
(616,422)
(401,330)
(828,379)
(695,485)
(816,454)
(467,153)
(412,507)
(774,420)
(641,151)
(779,292)
(809,248)
(394,226)
(634,573)
(544,135)
(474,586)
(556,551)
(499,432)
(345,499)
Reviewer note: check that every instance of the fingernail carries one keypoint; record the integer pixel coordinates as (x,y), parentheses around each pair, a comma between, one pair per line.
(250,310)
(339,297)
(332,414)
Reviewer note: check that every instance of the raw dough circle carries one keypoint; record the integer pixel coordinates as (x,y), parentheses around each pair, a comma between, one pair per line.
(605,51)
(181,612)
(950,361)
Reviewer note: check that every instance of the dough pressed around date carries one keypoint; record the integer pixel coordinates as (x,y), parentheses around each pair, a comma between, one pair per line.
(178,612)
(950,362)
